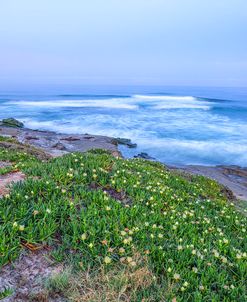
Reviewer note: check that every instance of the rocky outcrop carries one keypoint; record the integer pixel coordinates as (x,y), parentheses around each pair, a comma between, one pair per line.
(124,141)
(48,144)
(144,155)
(8,179)
(12,122)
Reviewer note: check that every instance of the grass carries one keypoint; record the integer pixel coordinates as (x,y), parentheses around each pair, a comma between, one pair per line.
(192,239)
(6,293)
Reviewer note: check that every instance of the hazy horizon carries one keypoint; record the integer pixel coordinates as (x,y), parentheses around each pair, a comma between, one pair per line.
(164,43)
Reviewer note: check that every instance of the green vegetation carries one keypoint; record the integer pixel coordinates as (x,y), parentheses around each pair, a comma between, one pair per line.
(6,293)
(94,210)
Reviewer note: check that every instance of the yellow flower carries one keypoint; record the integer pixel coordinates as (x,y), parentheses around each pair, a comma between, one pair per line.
(15,224)
(133,263)
(129,259)
(90,245)
(21,228)
(107,260)
(84,236)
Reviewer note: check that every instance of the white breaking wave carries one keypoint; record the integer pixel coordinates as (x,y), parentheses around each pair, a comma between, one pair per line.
(165,97)
(181,106)
(174,102)
(111,103)
(197,146)
(130,103)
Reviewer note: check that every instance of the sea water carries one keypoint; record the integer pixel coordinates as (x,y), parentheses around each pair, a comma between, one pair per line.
(175,125)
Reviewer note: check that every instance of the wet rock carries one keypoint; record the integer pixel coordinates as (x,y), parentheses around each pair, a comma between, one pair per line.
(11,122)
(144,155)
(124,141)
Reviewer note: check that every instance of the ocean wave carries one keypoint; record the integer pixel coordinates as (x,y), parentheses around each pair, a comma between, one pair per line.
(131,103)
(174,102)
(181,106)
(165,97)
(111,103)
(179,151)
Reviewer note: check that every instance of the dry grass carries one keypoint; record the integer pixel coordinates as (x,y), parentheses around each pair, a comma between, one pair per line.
(120,283)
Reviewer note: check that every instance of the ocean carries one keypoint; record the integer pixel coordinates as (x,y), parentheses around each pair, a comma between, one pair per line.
(175,125)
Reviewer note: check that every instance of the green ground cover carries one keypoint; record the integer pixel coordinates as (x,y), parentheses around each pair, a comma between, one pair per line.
(95,210)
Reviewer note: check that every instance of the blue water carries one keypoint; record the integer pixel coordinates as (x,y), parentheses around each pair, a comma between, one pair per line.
(175,125)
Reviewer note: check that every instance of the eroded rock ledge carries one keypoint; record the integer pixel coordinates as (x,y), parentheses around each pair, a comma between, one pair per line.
(56,144)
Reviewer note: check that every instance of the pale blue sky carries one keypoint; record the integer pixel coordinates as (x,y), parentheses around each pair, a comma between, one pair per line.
(163,42)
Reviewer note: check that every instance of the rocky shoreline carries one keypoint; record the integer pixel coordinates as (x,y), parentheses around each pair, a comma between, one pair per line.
(55,144)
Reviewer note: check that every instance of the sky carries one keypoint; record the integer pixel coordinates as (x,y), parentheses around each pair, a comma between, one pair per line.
(124,42)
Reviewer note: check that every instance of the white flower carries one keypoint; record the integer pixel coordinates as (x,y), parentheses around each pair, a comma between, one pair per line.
(176,276)
(224,259)
(195,269)
(121,250)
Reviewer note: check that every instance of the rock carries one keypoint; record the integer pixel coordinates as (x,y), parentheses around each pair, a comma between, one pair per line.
(144,156)
(7,179)
(70,139)
(11,122)
(124,141)
(59,146)
(31,137)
